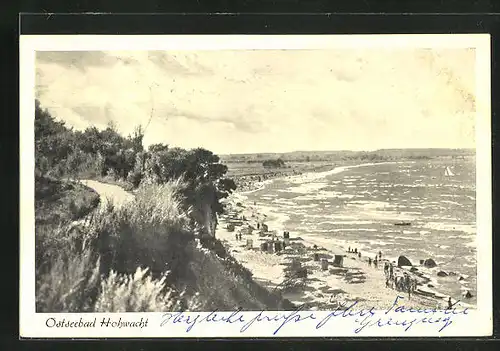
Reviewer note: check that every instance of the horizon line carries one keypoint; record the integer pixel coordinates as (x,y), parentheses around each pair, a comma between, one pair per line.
(349,150)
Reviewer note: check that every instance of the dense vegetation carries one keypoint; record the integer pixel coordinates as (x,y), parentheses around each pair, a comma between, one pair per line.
(61,152)
(141,257)
(147,255)
(277,163)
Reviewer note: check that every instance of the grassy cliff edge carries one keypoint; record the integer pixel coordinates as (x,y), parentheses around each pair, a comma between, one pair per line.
(144,256)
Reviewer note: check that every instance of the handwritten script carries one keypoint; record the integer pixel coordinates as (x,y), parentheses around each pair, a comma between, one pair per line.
(398,316)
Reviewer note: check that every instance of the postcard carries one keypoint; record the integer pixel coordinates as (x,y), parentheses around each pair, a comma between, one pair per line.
(255,186)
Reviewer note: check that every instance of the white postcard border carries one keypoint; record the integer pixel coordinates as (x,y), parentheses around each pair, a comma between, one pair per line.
(475,323)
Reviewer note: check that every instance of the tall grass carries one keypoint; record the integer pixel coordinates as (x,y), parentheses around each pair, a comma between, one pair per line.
(116,259)
(139,292)
(70,284)
(150,231)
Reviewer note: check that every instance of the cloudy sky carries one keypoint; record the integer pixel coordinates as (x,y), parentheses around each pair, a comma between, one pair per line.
(268,100)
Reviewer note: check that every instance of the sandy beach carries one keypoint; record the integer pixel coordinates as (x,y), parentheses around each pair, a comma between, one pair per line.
(325,287)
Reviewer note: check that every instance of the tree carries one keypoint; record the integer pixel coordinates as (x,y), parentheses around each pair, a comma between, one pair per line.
(61,151)
(53,141)
(137,138)
(278,163)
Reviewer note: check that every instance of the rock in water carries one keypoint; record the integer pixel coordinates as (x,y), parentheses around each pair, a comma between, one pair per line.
(468,295)
(442,274)
(403,261)
(430,263)
(413,269)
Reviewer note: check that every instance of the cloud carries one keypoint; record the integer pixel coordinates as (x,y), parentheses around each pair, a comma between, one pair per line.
(269,100)
(239,124)
(95,114)
(80,59)
(171,63)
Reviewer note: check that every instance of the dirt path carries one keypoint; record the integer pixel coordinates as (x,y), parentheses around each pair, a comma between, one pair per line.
(107,192)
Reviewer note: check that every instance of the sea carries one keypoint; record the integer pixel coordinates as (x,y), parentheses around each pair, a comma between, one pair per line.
(358,206)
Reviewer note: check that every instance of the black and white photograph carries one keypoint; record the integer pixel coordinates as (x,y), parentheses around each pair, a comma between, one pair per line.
(177,180)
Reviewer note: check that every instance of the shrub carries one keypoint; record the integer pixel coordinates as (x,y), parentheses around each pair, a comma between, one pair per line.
(278,163)
(70,284)
(139,292)
(63,241)
(111,173)
(59,202)
(135,178)
(150,231)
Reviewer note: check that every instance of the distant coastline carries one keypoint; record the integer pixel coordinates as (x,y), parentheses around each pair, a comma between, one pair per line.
(338,155)
(247,169)
(248,182)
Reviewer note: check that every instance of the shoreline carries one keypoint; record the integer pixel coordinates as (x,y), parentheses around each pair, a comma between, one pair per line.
(253,182)
(354,280)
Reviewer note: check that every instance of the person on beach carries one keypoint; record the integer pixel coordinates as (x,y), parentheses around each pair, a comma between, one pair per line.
(356,250)
(380,255)
(386,269)
(391,271)
(236,236)
(407,285)
(349,249)
(359,254)
(375,263)
(369,261)
(450,305)
(398,282)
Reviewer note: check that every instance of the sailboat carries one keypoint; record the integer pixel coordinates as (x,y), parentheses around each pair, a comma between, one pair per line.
(448,172)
